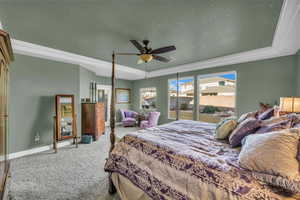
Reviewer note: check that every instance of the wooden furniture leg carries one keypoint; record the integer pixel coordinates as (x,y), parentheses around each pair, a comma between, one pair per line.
(75,138)
(54,135)
(75,141)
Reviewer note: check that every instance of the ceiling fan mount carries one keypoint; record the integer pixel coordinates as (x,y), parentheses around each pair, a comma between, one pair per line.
(146,42)
(146,53)
(147,49)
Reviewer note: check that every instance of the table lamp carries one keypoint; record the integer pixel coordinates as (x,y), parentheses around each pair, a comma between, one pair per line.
(290,104)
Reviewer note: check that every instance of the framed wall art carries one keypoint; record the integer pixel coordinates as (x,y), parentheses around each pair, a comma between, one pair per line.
(122,95)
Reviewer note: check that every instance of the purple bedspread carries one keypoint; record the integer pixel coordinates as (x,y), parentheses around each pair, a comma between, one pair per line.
(180,160)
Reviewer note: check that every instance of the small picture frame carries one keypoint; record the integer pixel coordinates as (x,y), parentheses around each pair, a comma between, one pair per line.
(123,95)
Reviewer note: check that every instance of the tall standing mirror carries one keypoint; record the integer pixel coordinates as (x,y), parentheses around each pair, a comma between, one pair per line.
(65,117)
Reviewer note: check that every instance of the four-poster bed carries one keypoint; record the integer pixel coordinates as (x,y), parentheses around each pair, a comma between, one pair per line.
(179,160)
(182,160)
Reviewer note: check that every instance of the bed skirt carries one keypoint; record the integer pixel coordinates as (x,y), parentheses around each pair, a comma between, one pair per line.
(126,189)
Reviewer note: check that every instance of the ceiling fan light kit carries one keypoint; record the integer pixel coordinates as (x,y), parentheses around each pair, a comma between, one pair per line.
(146,57)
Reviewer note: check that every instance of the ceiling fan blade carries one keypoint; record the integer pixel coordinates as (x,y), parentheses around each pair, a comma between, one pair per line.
(163,50)
(137,45)
(160,58)
(128,54)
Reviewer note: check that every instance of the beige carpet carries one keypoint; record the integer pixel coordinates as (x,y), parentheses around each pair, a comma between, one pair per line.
(72,173)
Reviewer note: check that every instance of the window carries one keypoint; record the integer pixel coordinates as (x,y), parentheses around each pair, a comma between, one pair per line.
(148,98)
(216,96)
(185,98)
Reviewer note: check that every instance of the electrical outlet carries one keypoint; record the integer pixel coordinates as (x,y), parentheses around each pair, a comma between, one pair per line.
(37,138)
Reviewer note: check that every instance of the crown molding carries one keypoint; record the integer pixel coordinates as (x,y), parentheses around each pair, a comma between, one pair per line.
(248,56)
(100,67)
(285,42)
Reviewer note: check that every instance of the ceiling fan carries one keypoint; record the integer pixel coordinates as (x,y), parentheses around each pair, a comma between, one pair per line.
(147,54)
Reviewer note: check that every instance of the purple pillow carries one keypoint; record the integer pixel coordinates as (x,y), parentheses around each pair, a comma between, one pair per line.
(128,114)
(246,127)
(297,126)
(266,114)
(294,120)
(275,127)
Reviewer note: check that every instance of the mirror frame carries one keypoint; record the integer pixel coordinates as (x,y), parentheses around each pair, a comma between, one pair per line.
(59,137)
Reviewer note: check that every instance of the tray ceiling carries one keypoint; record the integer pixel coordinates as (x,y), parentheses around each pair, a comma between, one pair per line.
(200,29)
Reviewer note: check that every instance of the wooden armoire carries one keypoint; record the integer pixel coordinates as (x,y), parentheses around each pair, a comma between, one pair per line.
(93,119)
(6,56)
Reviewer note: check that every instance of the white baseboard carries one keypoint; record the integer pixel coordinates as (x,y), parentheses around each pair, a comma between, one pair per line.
(37,150)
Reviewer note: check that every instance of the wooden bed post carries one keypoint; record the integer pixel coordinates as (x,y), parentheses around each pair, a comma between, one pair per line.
(112,106)
(177,96)
(112,188)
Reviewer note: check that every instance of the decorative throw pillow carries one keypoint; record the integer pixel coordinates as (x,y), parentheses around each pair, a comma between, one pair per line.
(224,128)
(275,120)
(245,128)
(247,115)
(272,153)
(225,120)
(295,119)
(263,107)
(285,121)
(127,114)
(275,126)
(266,114)
(296,125)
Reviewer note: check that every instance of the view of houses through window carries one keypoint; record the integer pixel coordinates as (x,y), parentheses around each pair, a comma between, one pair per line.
(216,97)
(185,98)
(148,98)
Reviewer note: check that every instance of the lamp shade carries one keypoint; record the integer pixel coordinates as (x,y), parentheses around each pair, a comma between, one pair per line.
(146,57)
(290,104)
(296,105)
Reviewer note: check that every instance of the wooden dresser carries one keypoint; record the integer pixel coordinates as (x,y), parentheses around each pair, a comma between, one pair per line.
(6,56)
(92,119)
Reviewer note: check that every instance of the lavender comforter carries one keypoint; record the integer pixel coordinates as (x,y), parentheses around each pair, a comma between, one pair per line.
(182,160)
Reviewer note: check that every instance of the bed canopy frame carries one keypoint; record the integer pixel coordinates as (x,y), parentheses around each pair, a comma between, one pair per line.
(112,188)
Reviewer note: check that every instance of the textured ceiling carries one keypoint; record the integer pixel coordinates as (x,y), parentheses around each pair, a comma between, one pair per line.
(200,29)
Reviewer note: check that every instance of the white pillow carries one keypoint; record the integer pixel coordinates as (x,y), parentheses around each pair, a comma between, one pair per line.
(272,153)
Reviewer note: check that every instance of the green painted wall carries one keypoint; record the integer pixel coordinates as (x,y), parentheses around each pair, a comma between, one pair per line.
(260,81)
(87,76)
(33,84)
(298,74)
